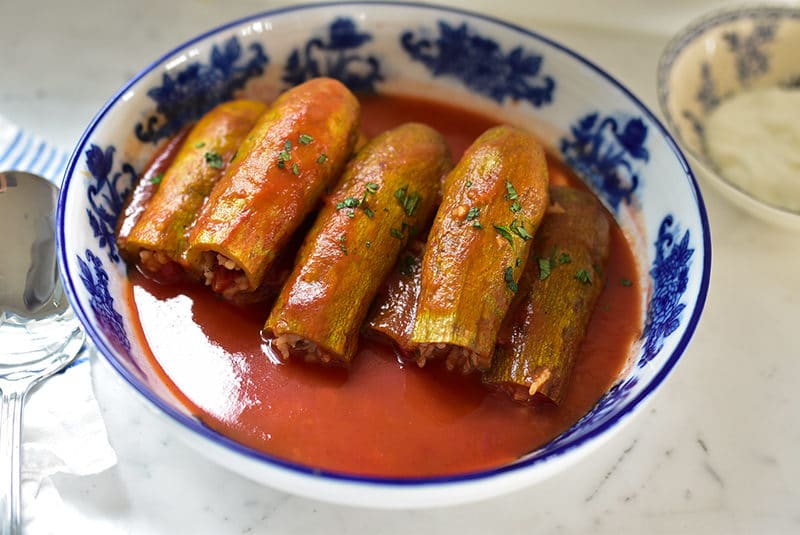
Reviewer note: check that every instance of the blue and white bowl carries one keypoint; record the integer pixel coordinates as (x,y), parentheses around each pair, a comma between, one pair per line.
(610,138)
(714,58)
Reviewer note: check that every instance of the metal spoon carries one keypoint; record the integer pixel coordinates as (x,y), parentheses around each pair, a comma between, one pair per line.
(38,333)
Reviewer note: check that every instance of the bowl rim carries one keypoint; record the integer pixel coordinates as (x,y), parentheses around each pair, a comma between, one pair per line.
(195,426)
(670,54)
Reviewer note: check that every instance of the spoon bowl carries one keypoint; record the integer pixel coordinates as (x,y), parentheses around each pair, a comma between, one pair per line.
(39,335)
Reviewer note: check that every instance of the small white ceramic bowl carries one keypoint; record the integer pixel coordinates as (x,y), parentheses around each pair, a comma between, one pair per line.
(715,58)
(583,115)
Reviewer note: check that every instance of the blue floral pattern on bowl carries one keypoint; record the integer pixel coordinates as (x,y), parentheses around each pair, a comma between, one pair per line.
(612,149)
(481,65)
(186,95)
(337,56)
(607,152)
(670,276)
(106,194)
(600,413)
(95,280)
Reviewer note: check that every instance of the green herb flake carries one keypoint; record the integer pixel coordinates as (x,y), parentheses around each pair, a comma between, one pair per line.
(544,268)
(350,213)
(368,244)
(305,139)
(473,213)
(213,159)
(626,282)
(287,145)
(517,262)
(295,169)
(508,276)
(469,183)
(519,229)
(516,207)
(322,158)
(348,202)
(564,258)
(281,164)
(200,145)
(477,224)
(505,232)
(583,276)
(411,204)
(157,179)
(368,211)
(511,193)
(396,233)
(372,187)
(342,246)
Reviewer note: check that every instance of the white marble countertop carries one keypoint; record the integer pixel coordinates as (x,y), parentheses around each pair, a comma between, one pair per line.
(716,450)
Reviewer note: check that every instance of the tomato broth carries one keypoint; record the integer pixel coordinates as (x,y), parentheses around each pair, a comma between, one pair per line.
(382,417)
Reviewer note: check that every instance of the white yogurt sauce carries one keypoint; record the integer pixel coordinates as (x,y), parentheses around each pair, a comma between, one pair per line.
(754,140)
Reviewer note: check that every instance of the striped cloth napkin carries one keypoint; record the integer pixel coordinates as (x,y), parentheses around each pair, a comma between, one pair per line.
(63,428)
(23,151)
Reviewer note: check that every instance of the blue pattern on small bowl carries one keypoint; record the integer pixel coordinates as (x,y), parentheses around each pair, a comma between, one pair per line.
(716,57)
(612,140)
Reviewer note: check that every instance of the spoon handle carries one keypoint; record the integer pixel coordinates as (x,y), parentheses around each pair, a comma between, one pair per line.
(10,439)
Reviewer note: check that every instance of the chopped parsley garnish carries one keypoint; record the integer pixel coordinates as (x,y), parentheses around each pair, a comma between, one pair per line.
(322,158)
(511,193)
(477,224)
(368,244)
(626,282)
(544,268)
(305,139)
(508,276)
(371,187)
(409,202)
(213,159)
(564,258)
(401,233)
(295,169)
(157,179)
(505,232)
(368,211)
(287,145)
(200,145)
(583,276)
(473,213)
(348,202)
(469,183)
(519,230)
(516,206)
(518,262)
(342,246)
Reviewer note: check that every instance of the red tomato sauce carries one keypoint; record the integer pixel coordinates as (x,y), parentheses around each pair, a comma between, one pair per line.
(381,417)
